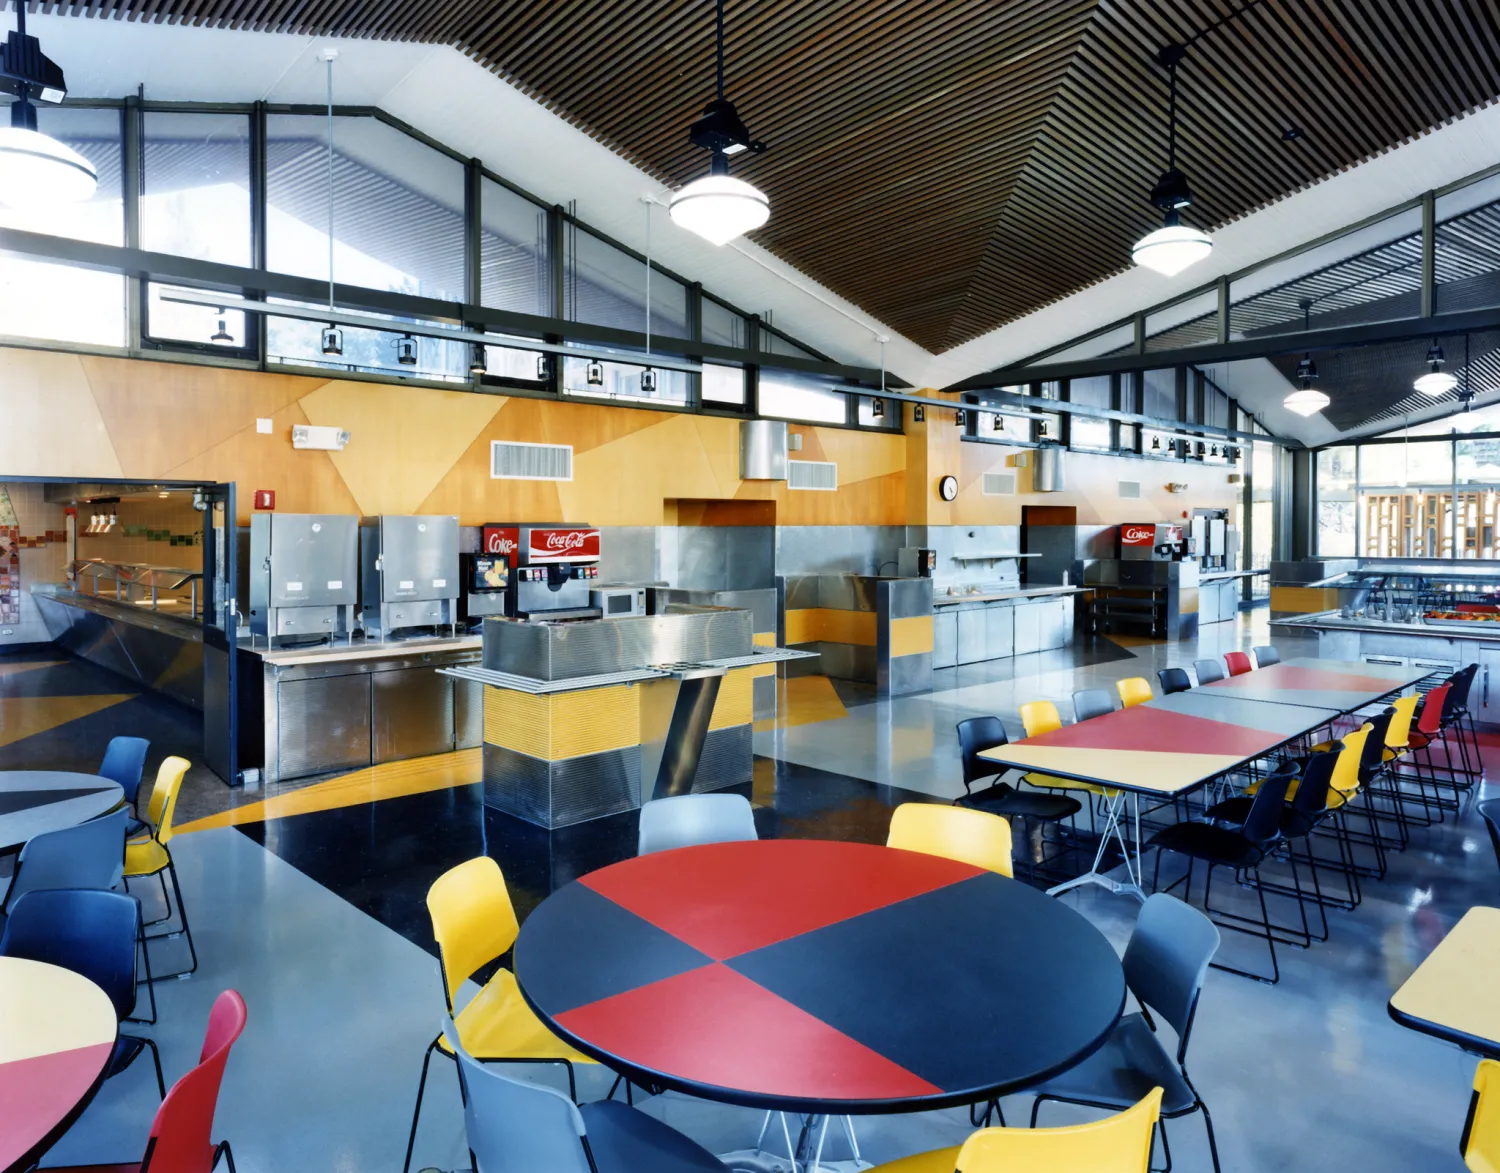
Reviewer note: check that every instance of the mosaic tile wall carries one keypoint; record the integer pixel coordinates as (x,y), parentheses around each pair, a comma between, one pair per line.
(33,548)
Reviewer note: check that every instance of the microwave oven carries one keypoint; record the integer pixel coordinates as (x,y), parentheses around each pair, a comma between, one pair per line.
(613,602)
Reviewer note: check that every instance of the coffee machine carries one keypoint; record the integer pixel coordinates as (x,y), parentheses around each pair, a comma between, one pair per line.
(552,568)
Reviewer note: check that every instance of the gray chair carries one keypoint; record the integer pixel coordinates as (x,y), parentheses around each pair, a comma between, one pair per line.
(1165,964)
(1266,656)
(1092,702)
(1489,811)
(90,855)
(1209,670)
(519,1127)
(690,819)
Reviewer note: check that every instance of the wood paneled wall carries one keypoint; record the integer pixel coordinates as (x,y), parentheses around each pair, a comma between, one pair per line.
(419,450)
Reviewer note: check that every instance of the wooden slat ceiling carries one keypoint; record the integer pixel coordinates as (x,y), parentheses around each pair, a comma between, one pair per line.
(952,166)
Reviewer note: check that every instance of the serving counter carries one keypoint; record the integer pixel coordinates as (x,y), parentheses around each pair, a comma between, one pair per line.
(592,718)
(996,624)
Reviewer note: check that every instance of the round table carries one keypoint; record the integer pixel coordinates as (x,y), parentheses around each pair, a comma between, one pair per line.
(819,977)
(34,801)
(57,1032)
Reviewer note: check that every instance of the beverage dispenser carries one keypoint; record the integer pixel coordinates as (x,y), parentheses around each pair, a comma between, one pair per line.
(408,572)
(303,575)
(553,570)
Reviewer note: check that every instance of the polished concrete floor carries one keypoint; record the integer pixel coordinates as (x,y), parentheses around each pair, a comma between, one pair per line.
(309,900)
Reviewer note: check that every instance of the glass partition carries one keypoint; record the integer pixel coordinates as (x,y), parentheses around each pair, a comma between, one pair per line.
(606,286)
(723,325)
(1086,431)
(795,396)
(515,268)
(1335,478)
(1466,255)
(39,299)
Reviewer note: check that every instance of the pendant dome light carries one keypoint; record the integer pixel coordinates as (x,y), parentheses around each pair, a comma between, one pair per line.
(1307,400)
(719,207)
(332,338)
(1174,246)
(1436,381)
(35,169)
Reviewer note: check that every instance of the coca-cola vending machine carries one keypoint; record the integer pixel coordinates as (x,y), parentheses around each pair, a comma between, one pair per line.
(1153,541)
(551,568)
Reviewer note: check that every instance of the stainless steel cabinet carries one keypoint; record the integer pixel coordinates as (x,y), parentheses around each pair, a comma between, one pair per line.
(323,723)
(1056,622)
(999,631)
(972,640)
(944,638)
(1028,628)
(412,713)
(1486,690)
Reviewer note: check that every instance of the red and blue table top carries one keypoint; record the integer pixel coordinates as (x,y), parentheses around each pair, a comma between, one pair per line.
(816,976)
(57,1033)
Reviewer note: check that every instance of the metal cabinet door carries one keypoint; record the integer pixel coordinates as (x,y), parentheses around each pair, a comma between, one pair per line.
(999,631)
(971,635)
(1054,623)
(1028,628)
(944,638)
(1484,697)
(323,724)
(411,713)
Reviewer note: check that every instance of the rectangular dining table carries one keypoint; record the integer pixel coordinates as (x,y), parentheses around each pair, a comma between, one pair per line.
(1455,993)
(1344,685)
(1164,748)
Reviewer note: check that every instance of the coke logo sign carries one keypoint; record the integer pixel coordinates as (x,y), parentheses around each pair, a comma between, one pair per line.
(1138,535)
(499,539)
(563,545)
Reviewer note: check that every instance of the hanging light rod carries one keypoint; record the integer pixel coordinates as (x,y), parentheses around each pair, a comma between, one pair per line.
(422,330)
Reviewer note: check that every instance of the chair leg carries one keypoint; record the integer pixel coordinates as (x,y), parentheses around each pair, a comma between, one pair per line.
(417,1110)
(161,1084)
(140,940)
(1166,1149)
(223,1150)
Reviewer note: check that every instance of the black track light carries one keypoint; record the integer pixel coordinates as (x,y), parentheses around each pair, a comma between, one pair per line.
(961,418)
(648,382)
(478,359)
(998,422)
(222,334)
(543,367)
(877,408)
(594,374)
(406,350)
(332,341)
(919,414)
(1155,443)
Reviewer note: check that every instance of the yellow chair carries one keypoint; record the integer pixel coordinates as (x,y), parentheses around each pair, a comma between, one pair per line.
(1133,690)
(1116,1144)
(1398,732)
(150,856)
(1038,717)
(474,923)
(1481,1140)
(956,832)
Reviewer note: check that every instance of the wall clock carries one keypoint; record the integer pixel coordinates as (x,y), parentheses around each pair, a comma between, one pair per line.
(948,488)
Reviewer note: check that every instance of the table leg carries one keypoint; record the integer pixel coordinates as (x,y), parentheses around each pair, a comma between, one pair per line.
(1132,867)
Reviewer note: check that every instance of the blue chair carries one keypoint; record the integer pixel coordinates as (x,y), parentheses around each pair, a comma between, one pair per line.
(1165,963)
(125,763)
(93,934)
(687,820)
(90,855)
(519,1127)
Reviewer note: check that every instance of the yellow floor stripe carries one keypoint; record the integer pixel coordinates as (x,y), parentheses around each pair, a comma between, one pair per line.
(390,780)
(1133,641)
(14,666)
(26,716)
(804,700)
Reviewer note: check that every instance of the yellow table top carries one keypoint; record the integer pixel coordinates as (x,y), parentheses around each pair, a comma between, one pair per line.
(1455,993)
(57,1032)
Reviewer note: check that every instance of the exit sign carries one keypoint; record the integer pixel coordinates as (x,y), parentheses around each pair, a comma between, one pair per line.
(265,498)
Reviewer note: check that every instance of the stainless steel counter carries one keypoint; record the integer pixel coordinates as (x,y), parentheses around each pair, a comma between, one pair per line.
(160,650)
(941,600)
(307,711)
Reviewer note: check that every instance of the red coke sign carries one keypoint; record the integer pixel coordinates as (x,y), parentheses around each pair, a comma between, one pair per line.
(562,545)
(1138,535)
(500,539)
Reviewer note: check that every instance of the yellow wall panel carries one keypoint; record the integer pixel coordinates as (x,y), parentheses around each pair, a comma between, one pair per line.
(1304,600)
(403,440)
(735,704)
(812,624)
(565,724)
(52,425)
(911,636)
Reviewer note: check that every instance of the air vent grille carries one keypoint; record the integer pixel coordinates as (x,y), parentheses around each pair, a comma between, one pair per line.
(822,475)
(514,461)
(1130,490)
(999,484)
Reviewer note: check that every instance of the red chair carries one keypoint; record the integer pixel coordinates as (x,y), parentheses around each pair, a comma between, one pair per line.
(1238,663)
(180,1140)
